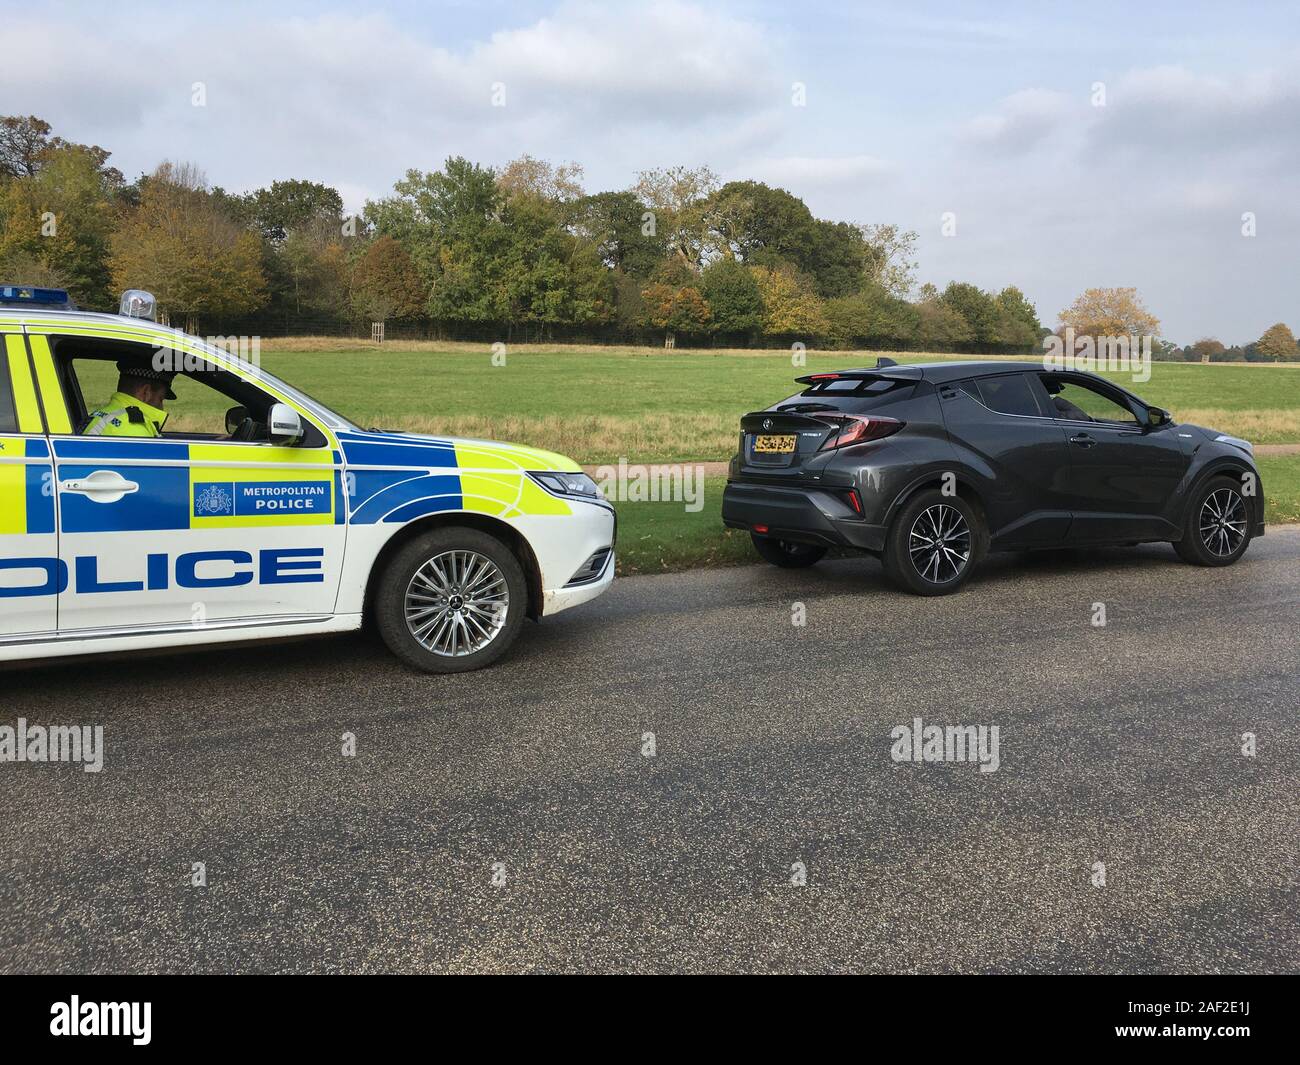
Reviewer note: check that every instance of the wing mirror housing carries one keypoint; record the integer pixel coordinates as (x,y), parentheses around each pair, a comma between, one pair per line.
(284,425)
(1158,416)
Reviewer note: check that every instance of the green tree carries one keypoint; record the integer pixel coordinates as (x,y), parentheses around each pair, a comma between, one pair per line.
(735,302)
(1016,320)
(940,325)
(976,307)
(872,314)
(292,205)
(615,223)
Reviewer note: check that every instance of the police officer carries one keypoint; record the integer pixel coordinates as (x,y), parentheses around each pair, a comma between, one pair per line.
(136,408)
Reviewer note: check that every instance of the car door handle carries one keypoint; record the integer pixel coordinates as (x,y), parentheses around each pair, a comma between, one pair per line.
(102,486)
(1083,440)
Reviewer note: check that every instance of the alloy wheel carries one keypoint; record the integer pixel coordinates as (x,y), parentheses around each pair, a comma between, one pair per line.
(1223,522)
(456,603)
(940,543)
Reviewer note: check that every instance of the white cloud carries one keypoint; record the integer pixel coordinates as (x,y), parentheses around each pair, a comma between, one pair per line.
(357,99)
(1022,121)
(807,174)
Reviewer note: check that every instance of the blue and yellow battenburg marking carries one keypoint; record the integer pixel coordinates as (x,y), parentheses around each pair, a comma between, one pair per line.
(26,487)
(397,478)
(204,489)
(198,486)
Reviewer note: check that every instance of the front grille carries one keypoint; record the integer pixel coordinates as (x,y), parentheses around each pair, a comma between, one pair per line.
(593,569)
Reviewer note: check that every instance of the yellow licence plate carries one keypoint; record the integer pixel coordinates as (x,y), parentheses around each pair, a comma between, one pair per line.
(774,444)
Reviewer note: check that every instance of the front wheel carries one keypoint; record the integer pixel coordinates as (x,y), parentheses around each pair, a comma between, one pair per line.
(451,601)
(933,544)
(1217,529)
(786,553)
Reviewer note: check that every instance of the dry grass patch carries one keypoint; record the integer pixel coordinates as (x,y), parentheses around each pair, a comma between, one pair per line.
(1257,426)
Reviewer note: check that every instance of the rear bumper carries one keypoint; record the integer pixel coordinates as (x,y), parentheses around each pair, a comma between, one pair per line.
(801,515)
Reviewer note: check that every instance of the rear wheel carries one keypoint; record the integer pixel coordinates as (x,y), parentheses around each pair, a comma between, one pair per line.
(451,601)
(933,544)
(1217,530)
(787,553)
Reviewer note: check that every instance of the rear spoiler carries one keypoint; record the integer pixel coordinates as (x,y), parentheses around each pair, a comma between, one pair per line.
(883,368)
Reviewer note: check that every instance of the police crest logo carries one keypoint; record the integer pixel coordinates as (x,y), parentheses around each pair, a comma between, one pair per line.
(213,500)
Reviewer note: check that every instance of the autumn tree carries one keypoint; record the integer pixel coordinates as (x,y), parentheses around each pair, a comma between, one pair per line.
(182,247)
(1110,312)
(559,183)
(790,306)
(56,224)
(675,309)
(1208,349)
(1278,342)
(385,283)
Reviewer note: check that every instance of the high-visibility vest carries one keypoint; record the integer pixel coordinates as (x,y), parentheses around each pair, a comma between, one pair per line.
(125,415)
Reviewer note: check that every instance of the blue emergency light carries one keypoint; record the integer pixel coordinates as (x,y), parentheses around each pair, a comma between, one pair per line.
(30,296)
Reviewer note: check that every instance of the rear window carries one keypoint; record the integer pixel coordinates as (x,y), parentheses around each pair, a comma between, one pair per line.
(1009,395)
(850,394)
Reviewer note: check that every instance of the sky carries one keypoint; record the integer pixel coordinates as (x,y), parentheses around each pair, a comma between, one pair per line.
(1064,145)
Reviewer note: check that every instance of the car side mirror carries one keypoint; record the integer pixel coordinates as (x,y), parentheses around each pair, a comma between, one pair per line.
(1157,416)
(284,426)
(235,418)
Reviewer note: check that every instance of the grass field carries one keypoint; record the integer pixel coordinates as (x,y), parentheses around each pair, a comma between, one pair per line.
(598,404)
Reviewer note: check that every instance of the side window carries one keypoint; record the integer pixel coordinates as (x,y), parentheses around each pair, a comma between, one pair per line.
(1009,394)
(8,414)
(211,402)
(1073,400)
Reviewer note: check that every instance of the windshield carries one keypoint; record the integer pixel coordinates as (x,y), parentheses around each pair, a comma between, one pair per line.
(315,406)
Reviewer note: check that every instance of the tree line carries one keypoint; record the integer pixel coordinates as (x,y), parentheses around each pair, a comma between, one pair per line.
(517,252)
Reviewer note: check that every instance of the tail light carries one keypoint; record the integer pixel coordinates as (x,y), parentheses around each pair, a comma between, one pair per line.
(858,428)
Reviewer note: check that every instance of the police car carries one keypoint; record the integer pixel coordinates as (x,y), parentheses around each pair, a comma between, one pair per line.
(282,519)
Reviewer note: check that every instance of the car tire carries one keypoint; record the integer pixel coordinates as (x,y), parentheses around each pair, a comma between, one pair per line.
(1216,531)
(451,600)
(929,518)
(786,553)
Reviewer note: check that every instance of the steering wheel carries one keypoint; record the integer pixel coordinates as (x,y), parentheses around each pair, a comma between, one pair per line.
(246,431)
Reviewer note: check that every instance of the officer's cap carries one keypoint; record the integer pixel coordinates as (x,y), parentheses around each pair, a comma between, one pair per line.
(144,371)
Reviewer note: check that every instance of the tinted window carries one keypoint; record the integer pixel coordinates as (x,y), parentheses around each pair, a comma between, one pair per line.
(8,420)
(1009,395)
(855,396)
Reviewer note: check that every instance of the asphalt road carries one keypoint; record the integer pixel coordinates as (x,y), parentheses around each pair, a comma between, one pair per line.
(1118,745)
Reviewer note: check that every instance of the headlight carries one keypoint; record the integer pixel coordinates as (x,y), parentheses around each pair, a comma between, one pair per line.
(1245,445)
(568,484)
